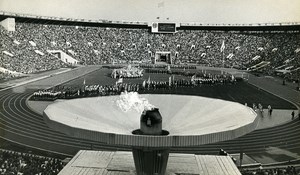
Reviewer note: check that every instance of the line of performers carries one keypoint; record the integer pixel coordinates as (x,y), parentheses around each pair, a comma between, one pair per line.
(147,86)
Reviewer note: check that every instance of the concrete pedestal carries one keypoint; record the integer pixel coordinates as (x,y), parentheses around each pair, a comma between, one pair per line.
(150,161)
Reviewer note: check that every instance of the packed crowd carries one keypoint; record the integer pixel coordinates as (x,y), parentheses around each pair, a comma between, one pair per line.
(6,76)
(289,170)
(19,53)
(100,45)
(17,163)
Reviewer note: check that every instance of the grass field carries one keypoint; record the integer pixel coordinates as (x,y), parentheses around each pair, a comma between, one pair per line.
(242,92)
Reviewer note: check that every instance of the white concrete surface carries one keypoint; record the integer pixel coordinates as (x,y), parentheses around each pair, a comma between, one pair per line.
(182,115)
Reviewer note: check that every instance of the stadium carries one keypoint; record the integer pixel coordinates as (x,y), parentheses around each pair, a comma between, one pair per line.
(76,79)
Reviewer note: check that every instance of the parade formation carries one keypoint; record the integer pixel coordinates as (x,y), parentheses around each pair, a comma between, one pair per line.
(147,85)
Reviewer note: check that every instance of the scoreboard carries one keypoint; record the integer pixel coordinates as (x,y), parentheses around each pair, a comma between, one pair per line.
(163,27)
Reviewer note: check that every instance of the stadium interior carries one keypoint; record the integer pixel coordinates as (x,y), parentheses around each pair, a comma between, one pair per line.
(48,58)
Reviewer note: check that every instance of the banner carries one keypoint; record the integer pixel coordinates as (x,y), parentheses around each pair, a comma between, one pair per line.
(32,43)
(222,46)
(7,53)
(39,52)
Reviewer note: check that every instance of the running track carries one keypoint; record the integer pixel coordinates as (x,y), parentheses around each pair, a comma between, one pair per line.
(21,125)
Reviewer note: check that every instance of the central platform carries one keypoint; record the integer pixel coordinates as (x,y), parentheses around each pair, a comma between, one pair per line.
(87,162)
(190,120)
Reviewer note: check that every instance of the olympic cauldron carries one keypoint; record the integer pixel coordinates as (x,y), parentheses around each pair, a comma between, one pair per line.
(180,121)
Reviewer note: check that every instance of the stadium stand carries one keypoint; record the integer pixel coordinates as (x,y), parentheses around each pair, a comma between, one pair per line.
(287,170)
(5,76)
(12,162)
(19,53)
(26,49)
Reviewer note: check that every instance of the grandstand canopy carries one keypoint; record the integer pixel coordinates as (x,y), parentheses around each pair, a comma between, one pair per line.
(186,11)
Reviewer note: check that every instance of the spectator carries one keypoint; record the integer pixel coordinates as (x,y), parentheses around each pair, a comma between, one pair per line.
(12,162)
(99,45)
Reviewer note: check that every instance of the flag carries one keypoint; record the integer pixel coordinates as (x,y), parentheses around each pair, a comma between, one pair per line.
(222,46)
(287,61)
(120,80)
(193,77)
(148,81)
(260,48)
(255,58)
(115,74)
(230,56)
(237,48)
(168,68)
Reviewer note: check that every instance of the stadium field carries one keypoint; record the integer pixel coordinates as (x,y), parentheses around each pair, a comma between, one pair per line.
(241,92)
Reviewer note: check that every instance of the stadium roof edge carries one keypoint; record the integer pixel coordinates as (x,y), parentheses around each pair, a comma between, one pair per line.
(135,24)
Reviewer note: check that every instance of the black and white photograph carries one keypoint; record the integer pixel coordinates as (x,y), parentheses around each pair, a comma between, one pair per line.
(140,87)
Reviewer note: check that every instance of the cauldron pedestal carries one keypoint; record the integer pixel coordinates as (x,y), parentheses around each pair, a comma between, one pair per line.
(150,161)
